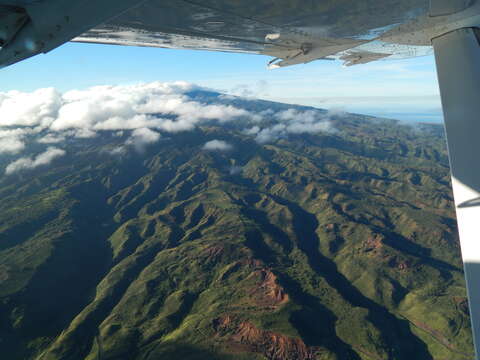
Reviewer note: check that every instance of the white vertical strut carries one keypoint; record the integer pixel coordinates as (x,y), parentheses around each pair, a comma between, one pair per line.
(457,55)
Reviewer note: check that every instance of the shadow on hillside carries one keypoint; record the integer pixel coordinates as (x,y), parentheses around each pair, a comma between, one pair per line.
(396,333)
(314,322)
(183,352)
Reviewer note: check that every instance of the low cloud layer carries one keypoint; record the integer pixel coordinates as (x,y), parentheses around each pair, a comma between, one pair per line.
(11,145)
(139,114)
(51,139)
(140,138)
(292,121)
(217,145)
(44,158)
(12,140)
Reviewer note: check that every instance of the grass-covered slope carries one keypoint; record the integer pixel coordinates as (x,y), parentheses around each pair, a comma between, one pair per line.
(339,245)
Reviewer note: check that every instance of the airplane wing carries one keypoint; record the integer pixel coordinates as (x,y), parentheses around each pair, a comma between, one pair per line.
(291,31)
(294,32)
(286,30)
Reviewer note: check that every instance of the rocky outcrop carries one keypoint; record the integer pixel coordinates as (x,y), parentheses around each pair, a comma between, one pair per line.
(267,292)
(374,242)
(245,336)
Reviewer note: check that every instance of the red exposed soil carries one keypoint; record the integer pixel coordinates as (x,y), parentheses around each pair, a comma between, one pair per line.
(462,304)
(263,290)
(374,246)
(251,263)
(267,292)
(244,336)
(374,242)
(212,253)
(331,227)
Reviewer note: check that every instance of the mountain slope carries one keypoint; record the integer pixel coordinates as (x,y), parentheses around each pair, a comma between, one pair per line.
(339,244)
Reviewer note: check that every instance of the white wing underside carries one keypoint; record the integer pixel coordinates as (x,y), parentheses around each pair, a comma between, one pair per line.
(291,31)
(291,37)
(287,49)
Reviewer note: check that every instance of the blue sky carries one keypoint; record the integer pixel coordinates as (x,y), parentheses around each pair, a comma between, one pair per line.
(404,89)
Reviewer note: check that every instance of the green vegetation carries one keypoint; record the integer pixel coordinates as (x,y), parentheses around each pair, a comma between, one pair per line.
(332,246)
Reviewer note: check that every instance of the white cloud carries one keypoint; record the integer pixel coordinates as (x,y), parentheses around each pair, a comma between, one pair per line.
(83,133)
(293,121)
(293,115)
(11,145)
(142,137)
(11,140)
(44,158)
(272,133)
(119,150)
(51,139)
(235,170)
(305,127)
(19,132)
(162,106)
(252,131)
(217,145)
(28,109)
(144,110)
(251,90)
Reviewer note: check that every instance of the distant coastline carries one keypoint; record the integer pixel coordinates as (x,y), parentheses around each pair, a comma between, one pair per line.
(426,117)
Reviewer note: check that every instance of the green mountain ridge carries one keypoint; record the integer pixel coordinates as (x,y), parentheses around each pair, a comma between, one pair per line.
(334,245)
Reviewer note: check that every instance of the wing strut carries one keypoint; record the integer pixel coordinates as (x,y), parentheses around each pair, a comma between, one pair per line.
(457,55)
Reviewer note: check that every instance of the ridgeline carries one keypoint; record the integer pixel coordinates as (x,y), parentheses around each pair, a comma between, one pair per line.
(336,245)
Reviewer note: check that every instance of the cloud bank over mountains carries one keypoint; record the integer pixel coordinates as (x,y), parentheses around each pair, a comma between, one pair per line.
(11,141)
(44,158)
(218,145)
(144,111)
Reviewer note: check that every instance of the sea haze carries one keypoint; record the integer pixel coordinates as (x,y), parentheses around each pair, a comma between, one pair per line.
(405,108)
(425,117)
